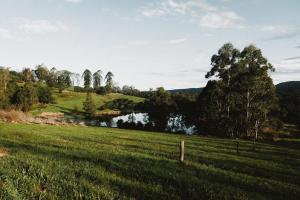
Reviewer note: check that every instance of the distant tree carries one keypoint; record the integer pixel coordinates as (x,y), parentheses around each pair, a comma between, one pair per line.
(26,97)
(130,90)
(4,80)
(75,79)
(97,78)
(41,72)
(63,80)
(109,81)
(160,106)
(52,78)
(27,75)
(87,78)
(44,94)
(89,106)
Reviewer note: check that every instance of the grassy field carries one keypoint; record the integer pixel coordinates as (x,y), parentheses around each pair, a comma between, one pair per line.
(49,162)
(66,102)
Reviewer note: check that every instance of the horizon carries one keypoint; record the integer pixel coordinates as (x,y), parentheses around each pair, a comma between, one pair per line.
(148,44)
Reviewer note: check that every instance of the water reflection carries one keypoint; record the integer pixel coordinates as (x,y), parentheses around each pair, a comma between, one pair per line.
(175,124)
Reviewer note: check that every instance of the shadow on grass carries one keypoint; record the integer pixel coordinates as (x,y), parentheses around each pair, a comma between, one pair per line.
(160,178)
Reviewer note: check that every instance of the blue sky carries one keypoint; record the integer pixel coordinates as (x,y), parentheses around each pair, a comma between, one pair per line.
(147,43)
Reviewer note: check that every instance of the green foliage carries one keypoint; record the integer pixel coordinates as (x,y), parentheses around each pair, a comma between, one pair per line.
(4,80)
(97,78)
(87,78)
(64,80)
(289,100)
(109,82)
(27,75)
(44,94)
(125,105)
(69,162)
(240,101)
(89,106)
(42,73)
(26,97)
(159,107)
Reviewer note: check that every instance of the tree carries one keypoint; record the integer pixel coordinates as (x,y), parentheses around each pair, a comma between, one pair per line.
(27,75)
(4,80)
(97,78)
(63,80)
(41,72)
(87,78)
(44,94)
(256,88)
(109,81)
(26,97)
(239,101)
(52,78)
(89,106)
(160,106)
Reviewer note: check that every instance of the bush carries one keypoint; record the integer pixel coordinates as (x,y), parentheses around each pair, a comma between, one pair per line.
(125,105)
(82,89)
(101,90)
(44,94)
(12,116)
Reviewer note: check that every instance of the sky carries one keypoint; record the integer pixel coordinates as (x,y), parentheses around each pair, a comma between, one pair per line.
(147,43)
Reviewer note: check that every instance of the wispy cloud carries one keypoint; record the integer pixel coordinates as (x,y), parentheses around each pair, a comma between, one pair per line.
(40,26)
(178,40)
(280,32)
(5,33)
(206,14)
(278,29)
(221,19)
(292,58)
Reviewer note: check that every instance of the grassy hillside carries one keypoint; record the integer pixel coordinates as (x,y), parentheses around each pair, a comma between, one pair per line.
(66,101)
(48,162)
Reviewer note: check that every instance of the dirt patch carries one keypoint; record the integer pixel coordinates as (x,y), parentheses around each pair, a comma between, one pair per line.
(3,152)
(51,115)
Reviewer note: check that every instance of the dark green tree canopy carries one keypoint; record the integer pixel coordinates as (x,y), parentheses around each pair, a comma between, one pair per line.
(87,78)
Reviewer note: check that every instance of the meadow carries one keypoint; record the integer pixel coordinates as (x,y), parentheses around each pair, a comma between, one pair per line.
(70,162)
(67,101)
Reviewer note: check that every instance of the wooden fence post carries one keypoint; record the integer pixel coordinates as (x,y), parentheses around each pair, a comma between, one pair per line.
(182,151)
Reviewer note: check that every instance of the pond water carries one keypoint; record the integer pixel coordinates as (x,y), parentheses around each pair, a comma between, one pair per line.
(175,124)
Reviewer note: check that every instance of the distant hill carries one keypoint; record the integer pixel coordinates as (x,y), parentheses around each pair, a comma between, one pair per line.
(290,85)
(289,100)
(187,90)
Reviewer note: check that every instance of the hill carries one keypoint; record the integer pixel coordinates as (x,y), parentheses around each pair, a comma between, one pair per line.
(289,100)
(68,162)
(187,90)
(67,101)
(290,85)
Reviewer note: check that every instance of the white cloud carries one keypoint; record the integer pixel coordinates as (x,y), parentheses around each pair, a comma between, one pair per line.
(178,41)
(224,19)
(40,26)
(153,13)
(5,33)
(279,32)
(198,10)
(277,29)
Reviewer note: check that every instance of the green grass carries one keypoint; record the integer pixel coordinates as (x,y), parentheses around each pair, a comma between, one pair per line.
(66,101)
(49,162)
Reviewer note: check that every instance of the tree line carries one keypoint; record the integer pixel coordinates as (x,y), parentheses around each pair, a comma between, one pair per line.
(239,99)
